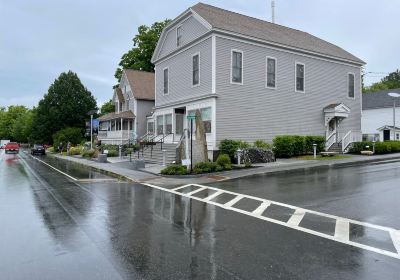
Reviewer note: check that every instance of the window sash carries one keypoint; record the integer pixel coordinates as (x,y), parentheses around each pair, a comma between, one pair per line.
(237,67)
(160,125)
(299,77)
(168,124)
(196,70)
(351,85)
(271,72)
(166,82)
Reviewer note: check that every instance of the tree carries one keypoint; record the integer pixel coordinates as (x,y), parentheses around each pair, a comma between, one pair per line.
(66,104)
(107,107)
(145,42)
(22,128)
(391,81)
(8,119)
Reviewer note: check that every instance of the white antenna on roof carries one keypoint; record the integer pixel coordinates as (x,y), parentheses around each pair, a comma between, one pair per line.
(273,10)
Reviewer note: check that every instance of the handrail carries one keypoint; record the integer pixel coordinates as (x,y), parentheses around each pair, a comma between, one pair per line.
(330,140)
(349,138)
(182,137)
(151,143)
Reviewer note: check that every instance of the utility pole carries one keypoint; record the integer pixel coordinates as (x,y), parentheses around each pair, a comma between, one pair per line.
(273,10)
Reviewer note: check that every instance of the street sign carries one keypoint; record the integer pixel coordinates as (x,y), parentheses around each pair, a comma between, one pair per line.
(191,117)
(186,162)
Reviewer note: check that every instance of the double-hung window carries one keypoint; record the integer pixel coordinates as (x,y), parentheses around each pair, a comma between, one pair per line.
(166,81)
(300,75)
(350,83)
(168,124)
(271,72)
(205,117)
(196,69)
(237,67)
(179,36)
(160,125)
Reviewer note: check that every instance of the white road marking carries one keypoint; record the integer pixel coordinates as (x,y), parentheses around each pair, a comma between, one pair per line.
(52,167)
(233,201)
(196,191)
(342,229)
(292,225)
(296,218)
(395,235)
(261,208)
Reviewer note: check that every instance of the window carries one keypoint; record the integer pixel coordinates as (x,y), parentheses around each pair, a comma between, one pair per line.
(160,125)
(150,127)
(351,85)
(166,81)
(120,106)
(196,70)
(205,116)
(237,67)
(397,136)
(168,124)
(179,36)
(300,77)
(271,72)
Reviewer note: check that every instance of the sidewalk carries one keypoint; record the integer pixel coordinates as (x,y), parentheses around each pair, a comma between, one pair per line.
(151,174)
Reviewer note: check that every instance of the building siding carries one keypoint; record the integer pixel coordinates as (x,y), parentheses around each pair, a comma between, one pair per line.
(144,108)
(192,29)
(250,111)
(373,119)
(180,75)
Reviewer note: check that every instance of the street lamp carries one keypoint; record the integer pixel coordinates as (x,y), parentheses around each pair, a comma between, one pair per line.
(91,127)
(394,95)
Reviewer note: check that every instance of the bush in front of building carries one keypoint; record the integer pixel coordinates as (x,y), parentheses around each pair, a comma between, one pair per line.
(225,161)
(262,144)
(112,153)
(69,134)
(380,147)
(73,151)
(287,146)
(174,169)
(230,147)
(89,153)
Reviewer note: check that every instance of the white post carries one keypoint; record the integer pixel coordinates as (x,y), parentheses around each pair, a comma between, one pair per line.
(122,132)
(187,145)
(91,132)
(164,152)
(315,150)
(394,119)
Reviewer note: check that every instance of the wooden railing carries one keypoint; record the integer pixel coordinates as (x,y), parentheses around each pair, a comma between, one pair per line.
(330,140)
(349,138)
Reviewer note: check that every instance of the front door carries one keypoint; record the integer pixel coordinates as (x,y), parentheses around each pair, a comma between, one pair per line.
(386,135)
(179,120)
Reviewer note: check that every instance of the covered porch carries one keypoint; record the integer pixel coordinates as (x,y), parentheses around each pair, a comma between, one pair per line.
(117,128)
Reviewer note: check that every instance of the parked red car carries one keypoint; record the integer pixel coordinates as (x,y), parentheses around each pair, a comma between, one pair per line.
(12,147)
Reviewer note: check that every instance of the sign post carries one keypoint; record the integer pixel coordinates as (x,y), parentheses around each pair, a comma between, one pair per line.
(191,118)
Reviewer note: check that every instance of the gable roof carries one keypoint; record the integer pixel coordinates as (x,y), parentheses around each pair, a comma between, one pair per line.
(113,115)
(379,99)
(141,83)
(226,21)
(120,96)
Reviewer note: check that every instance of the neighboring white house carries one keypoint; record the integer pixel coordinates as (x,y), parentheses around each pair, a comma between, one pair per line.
(377,116)
(253,80)
(134,100)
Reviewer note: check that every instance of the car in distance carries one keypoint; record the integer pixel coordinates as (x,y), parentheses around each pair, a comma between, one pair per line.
(38,150)
(12,147)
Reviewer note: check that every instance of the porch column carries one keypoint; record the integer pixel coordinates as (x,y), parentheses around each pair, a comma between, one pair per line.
(122,131)
(115,124)
(129,128)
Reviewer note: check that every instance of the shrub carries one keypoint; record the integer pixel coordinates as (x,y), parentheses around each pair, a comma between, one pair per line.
(262,144)
(50,149)
(69,134)
(230,147)
(174,169)
(89,153)
(380,147)
(75,151)
(205,167)
(224,161)
(293,145)
(112,153)
(357,147)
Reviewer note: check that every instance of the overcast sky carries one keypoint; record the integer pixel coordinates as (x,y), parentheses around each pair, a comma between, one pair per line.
(40,39)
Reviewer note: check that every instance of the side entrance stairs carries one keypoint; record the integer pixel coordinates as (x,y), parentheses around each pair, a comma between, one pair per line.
(154,153)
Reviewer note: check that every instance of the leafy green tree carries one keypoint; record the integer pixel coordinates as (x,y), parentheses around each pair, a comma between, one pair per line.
(22,128)
(144,44)
(69,134)
(66,104)
(107,107)
(8,119)
(391,81)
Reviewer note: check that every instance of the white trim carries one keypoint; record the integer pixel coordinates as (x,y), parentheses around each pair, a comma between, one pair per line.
(354,86)
(295,77)
(213,64)
(163,87)
(290,48)
(201,19)
(176,33)
(230,77)
(198,84)
(266,72)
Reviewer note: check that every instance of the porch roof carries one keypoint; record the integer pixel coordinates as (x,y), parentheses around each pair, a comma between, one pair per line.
(111,116)
(337,110)
(388,127)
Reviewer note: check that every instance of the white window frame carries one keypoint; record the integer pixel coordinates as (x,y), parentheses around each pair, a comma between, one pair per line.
(295,77)
(198,84)
(163,88)
(348,85)
(266,72)
(179,39)
(231,77)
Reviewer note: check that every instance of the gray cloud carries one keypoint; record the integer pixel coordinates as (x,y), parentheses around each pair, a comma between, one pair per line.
(40,39)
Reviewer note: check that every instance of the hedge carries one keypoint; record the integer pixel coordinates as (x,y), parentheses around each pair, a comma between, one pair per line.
(174,169)
(230,147)
(294,145)
(380,147)
(69,134)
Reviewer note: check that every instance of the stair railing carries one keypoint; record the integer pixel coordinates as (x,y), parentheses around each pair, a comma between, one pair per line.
(350,138)
(330,140)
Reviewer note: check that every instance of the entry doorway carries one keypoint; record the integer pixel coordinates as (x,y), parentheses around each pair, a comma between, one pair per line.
(386,135)
(179,121)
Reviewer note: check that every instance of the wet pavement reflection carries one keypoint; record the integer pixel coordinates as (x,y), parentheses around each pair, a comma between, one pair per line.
(54,228)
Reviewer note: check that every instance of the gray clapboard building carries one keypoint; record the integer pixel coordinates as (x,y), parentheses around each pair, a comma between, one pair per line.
(252,80)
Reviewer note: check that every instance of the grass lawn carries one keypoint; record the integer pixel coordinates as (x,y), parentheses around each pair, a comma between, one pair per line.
(319,157)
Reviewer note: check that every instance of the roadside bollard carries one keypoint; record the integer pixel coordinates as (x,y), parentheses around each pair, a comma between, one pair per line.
(164,157)
(315,150)
(373,147)
(239,151)
(120,151)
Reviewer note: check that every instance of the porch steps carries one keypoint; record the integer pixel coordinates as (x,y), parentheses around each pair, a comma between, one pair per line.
(336,148)
(156,156)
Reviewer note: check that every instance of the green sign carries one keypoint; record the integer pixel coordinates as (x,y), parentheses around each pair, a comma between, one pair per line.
(191,117)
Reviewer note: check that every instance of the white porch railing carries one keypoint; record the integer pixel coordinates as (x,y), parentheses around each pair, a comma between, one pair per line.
(349,138)
(115,135)
(330,140)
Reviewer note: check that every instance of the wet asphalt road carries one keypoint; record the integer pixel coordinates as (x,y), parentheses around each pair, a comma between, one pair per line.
(98,228)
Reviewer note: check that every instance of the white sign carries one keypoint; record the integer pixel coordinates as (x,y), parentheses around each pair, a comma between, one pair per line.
(186,162)
(105,152)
